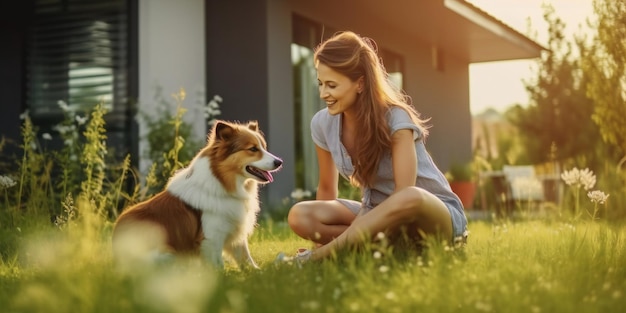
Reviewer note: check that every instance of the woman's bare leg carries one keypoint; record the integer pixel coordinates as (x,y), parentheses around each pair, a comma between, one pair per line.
(320,221)
(411,207)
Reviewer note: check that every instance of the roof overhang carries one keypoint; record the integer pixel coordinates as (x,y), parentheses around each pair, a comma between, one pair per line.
(456,27)
(488,39)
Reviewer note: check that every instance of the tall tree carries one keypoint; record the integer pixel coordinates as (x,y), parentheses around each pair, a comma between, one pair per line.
(605,66)
(559,113)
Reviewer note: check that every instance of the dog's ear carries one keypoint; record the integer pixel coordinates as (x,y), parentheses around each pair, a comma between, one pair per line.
(253,125)
(223,130)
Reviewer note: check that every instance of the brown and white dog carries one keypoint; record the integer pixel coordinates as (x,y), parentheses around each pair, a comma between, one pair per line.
(207,208)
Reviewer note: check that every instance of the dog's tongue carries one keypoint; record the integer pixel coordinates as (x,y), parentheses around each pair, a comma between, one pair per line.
(268,176)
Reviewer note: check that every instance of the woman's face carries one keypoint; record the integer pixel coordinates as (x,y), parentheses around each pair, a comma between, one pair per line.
(336,89)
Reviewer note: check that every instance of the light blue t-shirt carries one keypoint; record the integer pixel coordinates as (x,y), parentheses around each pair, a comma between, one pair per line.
(326,133)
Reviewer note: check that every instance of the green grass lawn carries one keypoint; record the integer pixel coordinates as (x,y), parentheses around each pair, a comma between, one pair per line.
(525,266)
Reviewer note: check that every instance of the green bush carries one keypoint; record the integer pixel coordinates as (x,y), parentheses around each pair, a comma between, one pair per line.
(170,142)
(461,172)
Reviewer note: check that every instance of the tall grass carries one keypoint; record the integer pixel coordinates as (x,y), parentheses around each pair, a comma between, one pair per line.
(55,256)
(522,267)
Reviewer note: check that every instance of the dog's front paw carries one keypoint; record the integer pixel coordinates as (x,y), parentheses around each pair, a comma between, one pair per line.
(212,253)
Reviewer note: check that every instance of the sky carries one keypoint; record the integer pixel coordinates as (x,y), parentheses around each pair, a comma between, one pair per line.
(499,85)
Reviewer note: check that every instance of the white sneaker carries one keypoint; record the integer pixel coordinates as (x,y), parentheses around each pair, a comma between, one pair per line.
(302,256)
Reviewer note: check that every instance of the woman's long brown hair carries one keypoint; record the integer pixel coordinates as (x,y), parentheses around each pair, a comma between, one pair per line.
(355,56)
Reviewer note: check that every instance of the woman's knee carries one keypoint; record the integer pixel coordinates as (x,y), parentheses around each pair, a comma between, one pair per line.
(430,213)
(413,194)
(299,217)
(411,200)
(413,203)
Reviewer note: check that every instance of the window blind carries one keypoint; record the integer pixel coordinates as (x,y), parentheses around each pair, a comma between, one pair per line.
(78,52)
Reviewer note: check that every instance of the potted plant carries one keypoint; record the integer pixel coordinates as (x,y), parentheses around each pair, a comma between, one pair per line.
(462,182)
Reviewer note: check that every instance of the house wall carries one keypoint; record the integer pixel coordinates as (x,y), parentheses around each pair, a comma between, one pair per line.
(248,64)
(280,99)
(442,96)
(14,21)
(171,56)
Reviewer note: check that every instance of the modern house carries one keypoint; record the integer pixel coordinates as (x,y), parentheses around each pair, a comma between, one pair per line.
(254,54)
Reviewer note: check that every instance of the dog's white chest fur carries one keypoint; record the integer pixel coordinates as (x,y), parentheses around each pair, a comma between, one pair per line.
(227,218)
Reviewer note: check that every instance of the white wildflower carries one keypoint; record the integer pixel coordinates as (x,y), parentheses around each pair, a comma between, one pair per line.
(390,295)
(377,255)
(420,262)
(578,178)
(597,196)
(383,268)
(212,109)
(210,122)
(380,235)
(81,120)
(588,181)
(62,129)
(213,112)
(25,115)
(63,105)
(570,177)
(299,194)
(6,182)
(213,104)
(46,136)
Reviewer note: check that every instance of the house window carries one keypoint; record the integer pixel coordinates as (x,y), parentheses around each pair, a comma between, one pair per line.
(394,64)
(78,52)
(306,36)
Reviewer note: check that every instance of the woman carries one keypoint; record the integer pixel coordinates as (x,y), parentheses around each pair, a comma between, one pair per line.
(372,135)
